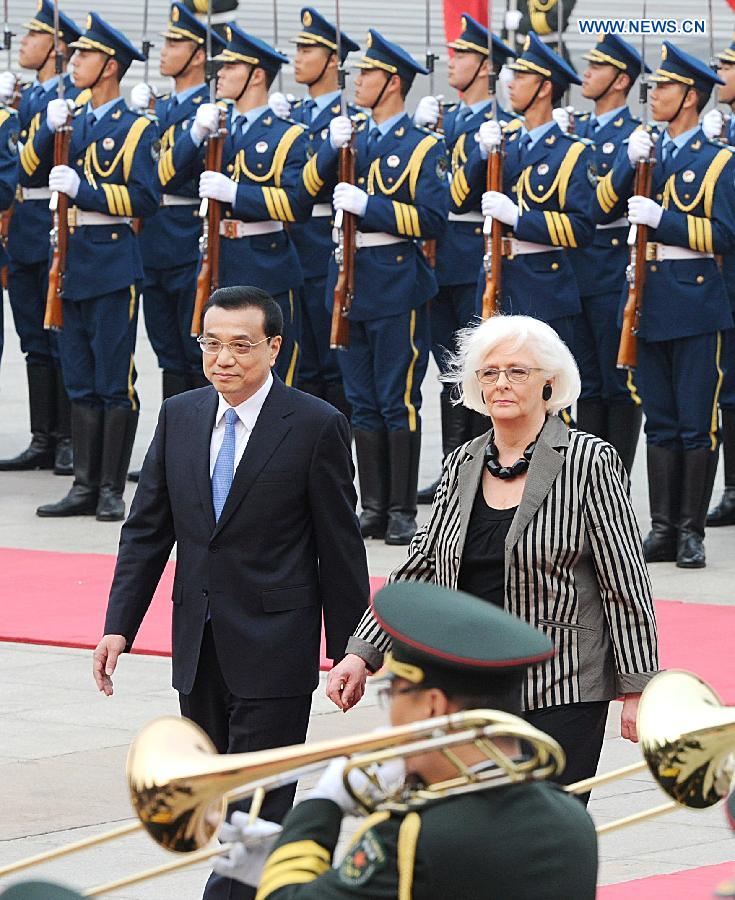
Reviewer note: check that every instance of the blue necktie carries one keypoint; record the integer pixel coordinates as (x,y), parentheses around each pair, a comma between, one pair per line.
(309,106)
(373,138)
(524,144)
(224,467)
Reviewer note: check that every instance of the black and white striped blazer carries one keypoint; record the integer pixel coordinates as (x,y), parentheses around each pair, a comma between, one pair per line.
(573,560)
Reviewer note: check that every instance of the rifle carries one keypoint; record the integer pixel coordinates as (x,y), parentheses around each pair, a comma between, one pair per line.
(492,229)
(59,204)
(429,246)
(346,225)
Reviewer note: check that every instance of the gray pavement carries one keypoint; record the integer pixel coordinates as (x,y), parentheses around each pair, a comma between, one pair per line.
(63,746)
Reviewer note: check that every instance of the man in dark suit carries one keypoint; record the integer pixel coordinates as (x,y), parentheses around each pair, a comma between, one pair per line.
(254,483)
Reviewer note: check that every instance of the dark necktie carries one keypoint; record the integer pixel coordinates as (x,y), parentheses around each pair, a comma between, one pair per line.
(309,107)
(373,138)
(524,144)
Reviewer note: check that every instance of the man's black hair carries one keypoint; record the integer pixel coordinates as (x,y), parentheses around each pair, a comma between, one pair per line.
(245,296)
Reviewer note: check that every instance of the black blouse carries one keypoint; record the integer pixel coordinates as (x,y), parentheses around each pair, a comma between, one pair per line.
(482,570)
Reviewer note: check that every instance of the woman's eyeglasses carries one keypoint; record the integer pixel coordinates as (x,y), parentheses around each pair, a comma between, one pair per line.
(515,374)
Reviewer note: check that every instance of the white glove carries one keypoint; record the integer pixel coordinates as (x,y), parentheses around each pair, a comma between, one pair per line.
(57,113)
(340,132)
(427,112)
(279,105)
(561,117)
(644,211)
(390,777)
(639,146)
(205,122)
(140,96)
(513,19)
(253,845)
(349,198)
(64,180)
(8,81)
(497,206)
(217,186)
(490,136)
(711,122)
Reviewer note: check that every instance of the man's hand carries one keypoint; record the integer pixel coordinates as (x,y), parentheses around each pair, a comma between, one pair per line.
(206,121)
(346,682)
(628,728)
(644,211)
(340,132)
(57,113)
(712,121)
(490,136)
(104,661)
(498,206)
(350,199)
(639,146)
(253,843)
(279,105)
(8,82)
(217,186)
(427,112)
(140,96)
(65,180)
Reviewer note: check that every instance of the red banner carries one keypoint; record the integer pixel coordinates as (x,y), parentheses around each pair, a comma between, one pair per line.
(453,10)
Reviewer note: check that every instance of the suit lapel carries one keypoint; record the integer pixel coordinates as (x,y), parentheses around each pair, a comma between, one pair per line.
(269,431)
(201,438)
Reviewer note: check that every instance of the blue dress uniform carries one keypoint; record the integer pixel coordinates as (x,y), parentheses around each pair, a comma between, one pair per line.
(266,161)
(50,445)
(552,182)
(113,152)
(724,512)
(609,405)
(462,239)
(319,372)
(8,175)
(170,239)
(685,310)
(403,169)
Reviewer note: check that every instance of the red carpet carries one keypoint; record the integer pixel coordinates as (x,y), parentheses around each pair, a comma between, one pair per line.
(692,884)
(60,599)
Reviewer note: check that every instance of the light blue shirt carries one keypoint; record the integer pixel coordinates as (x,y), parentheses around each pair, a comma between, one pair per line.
(100,111)
(536,134)
(242,121)
(606,117)
(386,126)
(48,85)
(476,107)
(323,101)
(679,141)
(181,96)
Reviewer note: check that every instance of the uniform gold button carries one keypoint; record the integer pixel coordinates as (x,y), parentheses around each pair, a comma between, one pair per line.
(23,133)
(80,162)
(230,168)
(478,230)
(228,213)
(686,196)
(399,259)
(700,279)
(615,242)
(260,165)
(390,181)
(659,196)
(654,268)
(554,266)
(114,235)
(540,187)
(273,245)
(514,189)
(360,180)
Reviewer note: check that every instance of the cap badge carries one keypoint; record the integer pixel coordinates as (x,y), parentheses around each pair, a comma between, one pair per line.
(306,18)
(175,13)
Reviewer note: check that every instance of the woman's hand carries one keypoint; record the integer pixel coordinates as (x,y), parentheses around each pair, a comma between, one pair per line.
(628,717)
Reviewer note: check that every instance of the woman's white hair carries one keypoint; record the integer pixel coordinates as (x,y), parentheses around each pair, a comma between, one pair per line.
(545,349)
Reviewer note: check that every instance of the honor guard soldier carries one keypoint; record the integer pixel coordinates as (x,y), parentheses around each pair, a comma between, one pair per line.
(316,65)
(609,405)
(263,157)
(451,652)
(720,128)
(28,246)
(401,197)
(8,179)
(170,240)
(548,193)
(685,308)
(110,180)
(454,305)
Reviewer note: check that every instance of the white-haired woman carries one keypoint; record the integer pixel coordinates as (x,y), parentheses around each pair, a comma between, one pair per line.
(536,518)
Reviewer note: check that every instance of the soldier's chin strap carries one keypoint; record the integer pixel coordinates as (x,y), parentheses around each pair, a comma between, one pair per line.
(186,65)
(474,77)
(530,103)
(382,91)
(99,74)
(319,77)
(246,85)
(47,57)
(602,94)
(679,108)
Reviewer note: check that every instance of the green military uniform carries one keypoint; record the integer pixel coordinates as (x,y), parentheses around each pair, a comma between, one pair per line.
(522,840)
(39,890)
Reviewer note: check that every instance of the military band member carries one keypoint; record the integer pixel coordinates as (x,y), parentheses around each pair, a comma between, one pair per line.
(28,246)
(400,196)
(691,217)
(110,180)
(503,841)
(548,193)
(262,162)
(316,66)
(170,241)
(454,305)
(609,405)
(718,128)
(541,17)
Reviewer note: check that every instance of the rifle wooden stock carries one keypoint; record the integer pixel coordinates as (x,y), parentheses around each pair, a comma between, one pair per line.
(344,289)
(429,246)
(208,278)
(53,317)
(636,274)
(493,259)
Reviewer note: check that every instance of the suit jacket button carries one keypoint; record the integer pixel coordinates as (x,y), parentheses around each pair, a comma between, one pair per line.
(213,548)
(205,592)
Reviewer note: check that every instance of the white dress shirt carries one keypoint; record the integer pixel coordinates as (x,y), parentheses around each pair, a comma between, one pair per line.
(247,415)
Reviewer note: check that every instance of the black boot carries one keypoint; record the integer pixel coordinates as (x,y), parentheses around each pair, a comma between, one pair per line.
(121,423)
(405,450)
(592,418)
(456,430)
(623,430)
(700,467)
(664,487)
(63,455)
(39,454)
(374,474)
(724,512)
(86,436)
(334,393)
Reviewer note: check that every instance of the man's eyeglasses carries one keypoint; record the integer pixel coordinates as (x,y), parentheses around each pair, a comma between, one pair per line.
(516,374)
(236,348)
(387,692)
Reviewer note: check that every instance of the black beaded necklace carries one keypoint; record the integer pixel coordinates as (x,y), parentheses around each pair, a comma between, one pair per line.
(520,466)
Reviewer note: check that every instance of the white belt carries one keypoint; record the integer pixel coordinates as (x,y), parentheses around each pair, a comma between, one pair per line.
(174,200)
(321,210)
(661,252)
(377,239)
(466,217)
(514,247)
(234,228)
(78,217)
(40,193)
(618,223)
